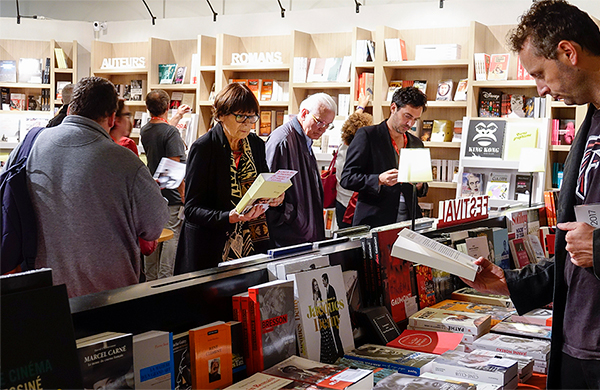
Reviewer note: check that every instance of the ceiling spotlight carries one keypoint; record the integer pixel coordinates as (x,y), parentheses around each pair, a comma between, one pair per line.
(357,6)
(150,12)
(213,11)
(281,9)
(442,3)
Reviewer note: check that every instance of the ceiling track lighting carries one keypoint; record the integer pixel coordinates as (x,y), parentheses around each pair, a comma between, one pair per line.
(213,11)
(19,16)
(442,3)
(281,9)
(150,12)
(357,6)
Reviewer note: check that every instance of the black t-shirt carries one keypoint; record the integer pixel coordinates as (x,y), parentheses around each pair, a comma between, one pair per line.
(163,140)
(582,313)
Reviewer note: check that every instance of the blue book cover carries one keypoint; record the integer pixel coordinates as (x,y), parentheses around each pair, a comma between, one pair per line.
(401,360)
(501,248)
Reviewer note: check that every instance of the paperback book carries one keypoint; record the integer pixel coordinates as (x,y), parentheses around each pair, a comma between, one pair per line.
(379,373)
(495,370)
(498,186)
(166,73)
(498,313)
(210,356)
(399,381)
(180,75)
(401,360)
(8,71)
(265,186)
(524,363)
(427,341)
(485,138)
(513,345)
(471,184)
(181,361)
(471,295)
(523,330)
(453,321)
(152,360)
(499,67)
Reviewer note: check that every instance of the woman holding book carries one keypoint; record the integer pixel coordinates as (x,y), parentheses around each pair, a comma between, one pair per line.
(221,166)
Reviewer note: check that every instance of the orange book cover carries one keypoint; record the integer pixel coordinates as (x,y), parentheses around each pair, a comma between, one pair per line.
(241,81)
(266,90)
(254,85)
(265,123)
(210,356)
(403,50)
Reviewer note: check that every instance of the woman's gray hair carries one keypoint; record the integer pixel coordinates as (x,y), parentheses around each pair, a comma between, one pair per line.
(313,102)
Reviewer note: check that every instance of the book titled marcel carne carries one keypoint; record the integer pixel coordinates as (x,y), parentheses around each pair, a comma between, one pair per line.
(106,358)
(275,322)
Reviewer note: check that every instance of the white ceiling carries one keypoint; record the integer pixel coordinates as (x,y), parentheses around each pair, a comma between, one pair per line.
(103,10)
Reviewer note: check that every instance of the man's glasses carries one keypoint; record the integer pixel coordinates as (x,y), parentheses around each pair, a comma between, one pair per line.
(243,118)
(321,124)
(127,114)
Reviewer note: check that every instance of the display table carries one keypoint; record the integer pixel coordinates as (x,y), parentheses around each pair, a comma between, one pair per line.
(537,381)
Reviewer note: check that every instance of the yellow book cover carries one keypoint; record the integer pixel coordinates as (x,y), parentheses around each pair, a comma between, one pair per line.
(210,356)
(519,136)
(262,188)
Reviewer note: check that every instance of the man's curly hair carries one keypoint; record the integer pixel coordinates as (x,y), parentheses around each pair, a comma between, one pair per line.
(353,123)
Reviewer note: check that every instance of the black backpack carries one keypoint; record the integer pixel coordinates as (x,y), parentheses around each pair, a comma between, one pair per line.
(19,229)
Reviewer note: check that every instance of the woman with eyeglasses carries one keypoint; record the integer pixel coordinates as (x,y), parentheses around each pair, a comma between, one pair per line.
(122,128)
(221,166)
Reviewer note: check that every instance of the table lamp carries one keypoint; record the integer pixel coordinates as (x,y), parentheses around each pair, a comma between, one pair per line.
(414,167)
(531,160)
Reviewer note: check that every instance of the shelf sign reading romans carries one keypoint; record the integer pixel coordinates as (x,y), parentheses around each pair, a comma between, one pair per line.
(273,57)
(125,63)
(462,210)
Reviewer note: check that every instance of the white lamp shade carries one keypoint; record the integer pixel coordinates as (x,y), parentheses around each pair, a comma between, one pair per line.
(532,160)
(415,166)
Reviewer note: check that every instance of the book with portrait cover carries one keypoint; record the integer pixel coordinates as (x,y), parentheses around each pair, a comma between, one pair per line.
(399,381)
(444,90)
(166,73)
(323,329)
(485,138)
(153,360)
(513,345)
(523,330)
(498,313)
(180,75)
(106,358)
(451,321)
(490,369)
(210,356)
(469,294)
(275,323)
(498,186)
(499,67)
(401,360)
(181,361)
(427,341)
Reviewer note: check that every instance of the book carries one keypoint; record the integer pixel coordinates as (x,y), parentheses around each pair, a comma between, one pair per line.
(169,173)
(501,248)
(425,286)
(401,360)
(421,85)
(266,89)
(399,381)
(106,358)
(426,130)
(344,71)
(300,69)
(485,138)
(519,253)
(180,75)
(176,98)
(517,223)
(323,329)
(522,187)
(181,361)
(30,70)
(447,320)
(469,294)
(524,364)
(210,356)
(136,90)
(265,123)
(395,49)
(377,324)
(238,362)
(444,90)
(497,313)
(498,186)
(44,336)
(498,69)
(8,71)
(518,136)
(152,360)
(588,213)
(417,248)
(260,381)
(467,383)
(379,373)
(482,64)
(461,90)
(427,341)
(195,63)
(489,103)
(18,101)
(321,375)
(166,73)
(442,131)
(534,348)
(490,369)
(61,59)
(541,316)
(275,322)
(298,264)
(265,186)
(520,329)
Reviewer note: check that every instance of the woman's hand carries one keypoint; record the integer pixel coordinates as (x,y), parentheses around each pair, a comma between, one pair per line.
(255,212)
(276,201)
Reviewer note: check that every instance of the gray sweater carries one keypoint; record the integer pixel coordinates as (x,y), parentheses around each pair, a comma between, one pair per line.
(93,198)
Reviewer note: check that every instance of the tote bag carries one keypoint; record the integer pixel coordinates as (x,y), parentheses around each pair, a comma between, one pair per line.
(329,183)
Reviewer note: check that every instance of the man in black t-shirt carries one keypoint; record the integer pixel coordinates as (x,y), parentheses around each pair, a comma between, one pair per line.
(161,138)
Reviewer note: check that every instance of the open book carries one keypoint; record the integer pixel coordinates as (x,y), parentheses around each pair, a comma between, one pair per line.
(417,248)
(169,173)
(266,186)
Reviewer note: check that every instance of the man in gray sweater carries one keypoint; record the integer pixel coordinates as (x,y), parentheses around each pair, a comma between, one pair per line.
(92,197)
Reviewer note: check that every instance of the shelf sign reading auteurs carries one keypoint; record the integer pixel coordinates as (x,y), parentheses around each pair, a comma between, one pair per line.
(124,63)
(273,57)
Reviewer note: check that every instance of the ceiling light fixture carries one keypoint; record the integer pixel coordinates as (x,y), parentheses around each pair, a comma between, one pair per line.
(357,6)
(150,12)
(213,11)
(441,3)
(282,9)
(19,16)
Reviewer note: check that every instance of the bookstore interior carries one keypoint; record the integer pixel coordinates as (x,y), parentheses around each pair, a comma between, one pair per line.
(396,312)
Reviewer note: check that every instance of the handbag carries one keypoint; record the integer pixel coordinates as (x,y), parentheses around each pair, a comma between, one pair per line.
(329,183)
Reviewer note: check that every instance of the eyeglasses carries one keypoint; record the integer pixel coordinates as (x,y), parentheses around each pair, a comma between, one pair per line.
(127,114)
(321,124)
(239,118)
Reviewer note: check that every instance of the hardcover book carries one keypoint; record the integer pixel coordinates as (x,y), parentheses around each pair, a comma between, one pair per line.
(152,360)
(210,356)
(497,313)
(471,184)
(275,323)
(498,186)
(427,341)
(495,370)
(499,67)
(519,253)
(180,75)
(444,90)
(107,358)
(523,330)
(407,382)
(166,73)
(181,361)
(522,188)
(453,321)
(323,329)
(490,102)
(401,360)
(471,295)
(536,349)
(378,324)
(485,138)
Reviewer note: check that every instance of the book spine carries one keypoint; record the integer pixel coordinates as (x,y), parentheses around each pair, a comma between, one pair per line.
(438,248)
(378,269)
(257,343)
(247,332)
(193,351)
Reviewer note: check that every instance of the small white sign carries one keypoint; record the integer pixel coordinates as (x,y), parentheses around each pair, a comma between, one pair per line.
(124,62)
(273,57)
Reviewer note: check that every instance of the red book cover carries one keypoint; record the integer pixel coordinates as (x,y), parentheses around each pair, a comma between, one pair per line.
(520,257)
(247,331)
(426,341)
(210,356)
(403,50)
(425,287)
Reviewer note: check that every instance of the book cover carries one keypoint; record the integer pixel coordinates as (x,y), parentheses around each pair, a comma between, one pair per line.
(534,348)
(469,294)
(541,316)
(499,67)
(489,103)
(107,358)
(181,361)
(520,329)
(265,123)
(377,324)
(8,71)
(524,363)
(453,321)
(237,351)
(166,73)
(379,373)
(300,69)
(180,75)
(301,263)
(260,381)
(522,187)
(426,341)
(518,136)
(495,370)
(266,89)
(275,322)
(169,174)
(399,381)
(249,329)
(61,59)
(425,287)
(482,64)
(210,356)
(153,361)
(519,253)
(444,90)
(421,85)
(442,131)
(517,223)
(426,130)
(323,327)
(498,186)
(401,360)
(485,138)
(44,336)
(498,313)
(30,70)
(588,213)
(478,247)
(176,98)
(136,90)
(461,90)
(265,186)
